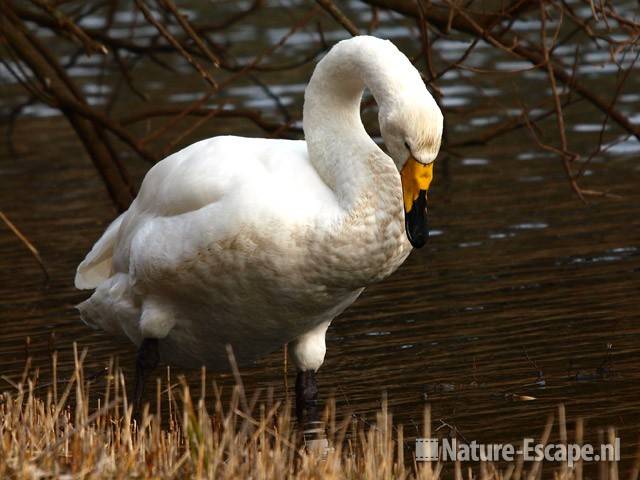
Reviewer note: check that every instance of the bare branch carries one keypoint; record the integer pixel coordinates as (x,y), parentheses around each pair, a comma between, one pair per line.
(25,241)
(339,17)
(176,44)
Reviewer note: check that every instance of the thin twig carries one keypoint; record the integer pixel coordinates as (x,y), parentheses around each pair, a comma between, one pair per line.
(25,241)
(176,44)
(339,16)
(186,26)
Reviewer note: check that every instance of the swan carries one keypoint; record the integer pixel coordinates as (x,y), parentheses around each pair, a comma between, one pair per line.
(256,243)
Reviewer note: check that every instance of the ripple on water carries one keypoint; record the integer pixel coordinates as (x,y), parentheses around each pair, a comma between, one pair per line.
(84,71)
(454,101)
(482,121)
(451,75)
(474,308)
(377,334)
(626,145)
(474,161)
(609,255)
(588,127)
(500,235)
(629,98)
(531,178)
(251,90)
(534,75)
(184,97)
(623,250)
(601,68)
(526,156)
(265,103)
(469,244)
(96,89)
(449,45)
(529,226)
(41,111)
(603,258)
(449,90)
(512,66)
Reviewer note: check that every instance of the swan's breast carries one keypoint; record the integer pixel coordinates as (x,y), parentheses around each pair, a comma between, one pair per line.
(370,242)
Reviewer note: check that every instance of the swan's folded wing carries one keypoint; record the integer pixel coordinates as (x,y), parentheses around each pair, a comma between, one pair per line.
(201,198)
(186,181)
(178,201)
(211,210)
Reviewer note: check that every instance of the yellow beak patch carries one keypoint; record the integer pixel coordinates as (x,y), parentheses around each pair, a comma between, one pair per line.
(415,177)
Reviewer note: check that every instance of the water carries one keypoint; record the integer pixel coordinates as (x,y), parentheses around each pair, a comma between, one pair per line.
(522,291)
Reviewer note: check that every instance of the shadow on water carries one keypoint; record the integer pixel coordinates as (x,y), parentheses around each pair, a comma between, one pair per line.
(523,298)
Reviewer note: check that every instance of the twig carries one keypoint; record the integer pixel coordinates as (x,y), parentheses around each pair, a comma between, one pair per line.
(565,154)
(562,153)
(426,47)
(339,16)
(90,45)
(508,126)
(186,26)
(25,241)
(176,44)
(59,85)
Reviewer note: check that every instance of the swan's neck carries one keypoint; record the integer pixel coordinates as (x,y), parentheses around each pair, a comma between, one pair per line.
(338,143)
(364,179)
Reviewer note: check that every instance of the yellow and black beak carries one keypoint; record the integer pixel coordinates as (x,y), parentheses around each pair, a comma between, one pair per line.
(416,178)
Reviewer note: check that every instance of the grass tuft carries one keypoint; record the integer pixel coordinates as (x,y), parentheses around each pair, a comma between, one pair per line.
(73,432)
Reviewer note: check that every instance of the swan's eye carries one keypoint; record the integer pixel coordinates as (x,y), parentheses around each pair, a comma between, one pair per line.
(406,145)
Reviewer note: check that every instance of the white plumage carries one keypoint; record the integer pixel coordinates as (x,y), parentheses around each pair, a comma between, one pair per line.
(259,242)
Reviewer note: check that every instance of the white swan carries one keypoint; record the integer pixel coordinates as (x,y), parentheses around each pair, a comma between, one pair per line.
(259,242)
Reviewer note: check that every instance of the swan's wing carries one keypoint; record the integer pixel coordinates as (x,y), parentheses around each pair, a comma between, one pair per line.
(169,188)
(204,194)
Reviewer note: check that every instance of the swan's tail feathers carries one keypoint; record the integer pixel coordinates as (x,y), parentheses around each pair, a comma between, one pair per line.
(96,267)
(111,308)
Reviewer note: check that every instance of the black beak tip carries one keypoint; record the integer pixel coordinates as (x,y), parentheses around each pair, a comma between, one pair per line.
(416,223)
(418,239)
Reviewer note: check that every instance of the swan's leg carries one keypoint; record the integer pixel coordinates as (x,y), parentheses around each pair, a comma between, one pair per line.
(307,352)
(307,398)
(146,361)
(156,320)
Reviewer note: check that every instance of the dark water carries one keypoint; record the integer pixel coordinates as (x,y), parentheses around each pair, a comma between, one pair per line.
(523,299)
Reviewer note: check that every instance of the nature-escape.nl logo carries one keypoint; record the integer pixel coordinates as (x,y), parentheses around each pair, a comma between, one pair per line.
(449,449)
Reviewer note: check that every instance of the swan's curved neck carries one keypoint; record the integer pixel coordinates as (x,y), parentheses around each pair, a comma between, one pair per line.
(365,181)
(339,147)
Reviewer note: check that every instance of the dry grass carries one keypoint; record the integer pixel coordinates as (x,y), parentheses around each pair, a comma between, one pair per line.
(72,432)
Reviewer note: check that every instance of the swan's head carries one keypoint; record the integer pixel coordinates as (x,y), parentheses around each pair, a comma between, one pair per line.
(412,130)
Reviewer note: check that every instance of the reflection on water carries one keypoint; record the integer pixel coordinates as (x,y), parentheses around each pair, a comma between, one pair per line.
(522,291)
(623,145)
(475,161)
